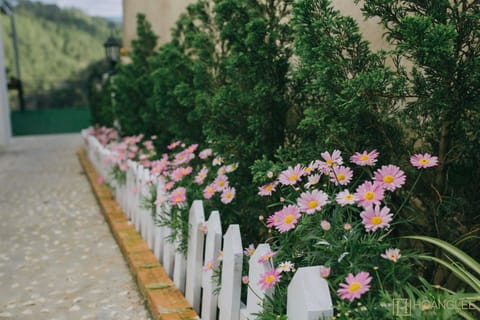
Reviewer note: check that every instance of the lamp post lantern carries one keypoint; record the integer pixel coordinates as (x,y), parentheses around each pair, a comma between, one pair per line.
(112,50)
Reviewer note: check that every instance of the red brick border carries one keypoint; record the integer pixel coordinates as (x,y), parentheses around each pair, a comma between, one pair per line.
(164,300)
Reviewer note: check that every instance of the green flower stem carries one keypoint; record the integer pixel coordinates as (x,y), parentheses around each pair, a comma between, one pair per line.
(379,279)
(409,193)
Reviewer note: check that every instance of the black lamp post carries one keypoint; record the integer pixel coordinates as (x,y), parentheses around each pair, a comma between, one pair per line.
(112,51)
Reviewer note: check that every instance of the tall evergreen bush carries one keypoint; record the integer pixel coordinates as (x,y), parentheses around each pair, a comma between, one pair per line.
(441,41)
(133,85)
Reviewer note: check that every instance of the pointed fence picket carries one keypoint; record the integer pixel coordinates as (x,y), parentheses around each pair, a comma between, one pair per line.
(213,245)
(195,254)
(231,283)
(255,294)
(308,294)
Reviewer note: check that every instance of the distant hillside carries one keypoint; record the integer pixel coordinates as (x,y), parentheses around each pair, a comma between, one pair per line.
(55,46)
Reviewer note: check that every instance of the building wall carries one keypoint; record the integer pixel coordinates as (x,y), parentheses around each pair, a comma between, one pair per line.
(162,14)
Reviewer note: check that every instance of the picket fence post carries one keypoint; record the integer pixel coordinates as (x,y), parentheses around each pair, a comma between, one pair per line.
(168,253)
(159,235)
(213,246)
(309,296)
(229,298)
(196,240)
(138,190)
(180,270)
(308,293)
(255,294)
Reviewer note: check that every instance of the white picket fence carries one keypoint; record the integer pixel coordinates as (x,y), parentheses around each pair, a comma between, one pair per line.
(308,293)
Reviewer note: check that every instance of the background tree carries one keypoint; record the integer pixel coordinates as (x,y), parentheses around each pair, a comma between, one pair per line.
(348,94)
(184,76)
(441,39)
(247,117)
(133,85)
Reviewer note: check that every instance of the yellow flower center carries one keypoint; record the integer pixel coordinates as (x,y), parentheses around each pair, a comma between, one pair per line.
(376,220)
(369,195)
(329,162)
(423,161)
(349,197)
(393,257)
(269,187)
(178,199)
(354,287)
(312,204)
(210,190)
(228,195)
(289,219)
(293,177)
(341,177)
(221,183)
(364,157)
(388,179)
(269,279)
(308,170)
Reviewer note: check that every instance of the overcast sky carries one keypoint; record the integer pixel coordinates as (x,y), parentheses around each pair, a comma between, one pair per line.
(102,8)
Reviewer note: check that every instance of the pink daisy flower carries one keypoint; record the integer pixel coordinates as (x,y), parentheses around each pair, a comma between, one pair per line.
(169,185)
(285,266)
(345,197)
(331,160)
(148,145)
(269,279)
(177,174)
(313,180)
(173,145)
(422,161)
(227,195)
(390,177)
(369,194)
(311,201)
(341,175)
(287,218)
(325,271)
(309,169)
(291,176)
(192,148)
(355,286)
(209,191)
(208,266)
(267,189)
(201,175)
(325,225)
(221,182)
(249,251)
(266,257)
(365,158)
(374,218)
(272,221)
(204,154)
(178,196)
(391,254)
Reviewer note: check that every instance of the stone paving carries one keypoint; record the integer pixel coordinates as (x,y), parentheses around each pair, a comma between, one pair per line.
(58,259)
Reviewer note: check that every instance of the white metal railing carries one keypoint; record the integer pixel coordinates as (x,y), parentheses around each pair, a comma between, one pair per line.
(308,294)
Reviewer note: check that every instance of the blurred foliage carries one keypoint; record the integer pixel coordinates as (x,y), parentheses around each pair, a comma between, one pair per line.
(132,85)
(55,47)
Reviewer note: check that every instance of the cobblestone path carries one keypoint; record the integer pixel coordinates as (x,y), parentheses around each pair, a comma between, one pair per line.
(58,259)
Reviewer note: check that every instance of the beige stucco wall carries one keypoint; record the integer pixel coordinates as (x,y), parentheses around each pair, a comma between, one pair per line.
(162,14)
